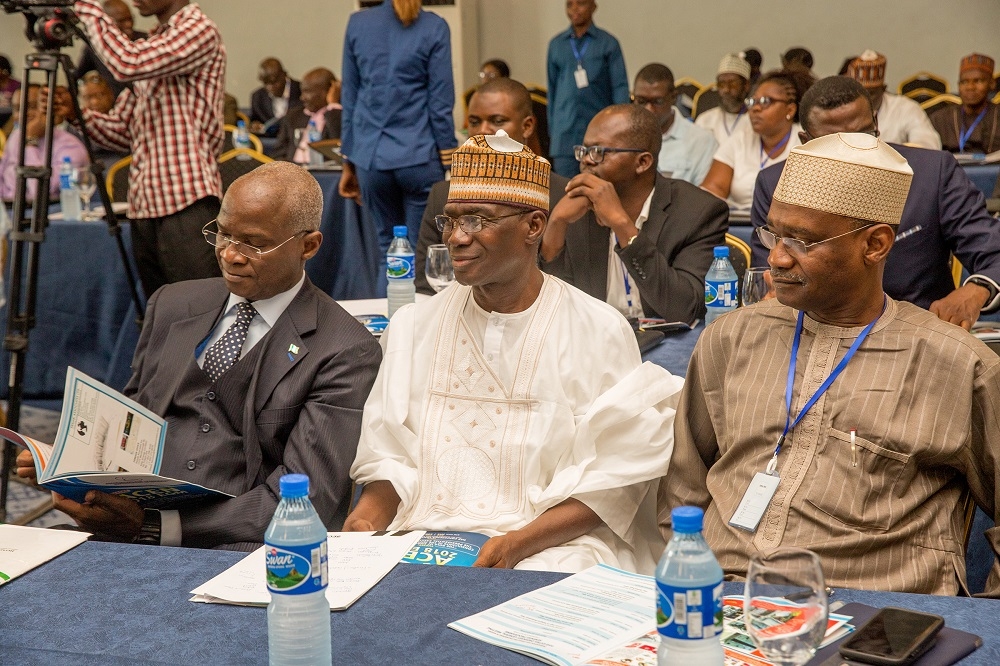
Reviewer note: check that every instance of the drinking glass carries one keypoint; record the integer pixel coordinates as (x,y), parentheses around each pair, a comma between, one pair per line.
(794,578)
(439,270)
(756,285)
(87,185)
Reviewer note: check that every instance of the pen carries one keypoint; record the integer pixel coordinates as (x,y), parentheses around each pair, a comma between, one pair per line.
(854,447)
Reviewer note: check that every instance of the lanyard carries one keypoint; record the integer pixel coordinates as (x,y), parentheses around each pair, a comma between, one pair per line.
(764,157)
(789,423)
(579,53)
(964,136)
(729,130)
(628,287)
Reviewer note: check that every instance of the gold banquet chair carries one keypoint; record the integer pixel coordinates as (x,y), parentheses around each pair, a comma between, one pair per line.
(921,95)
(117,179)
(707,98)
(227,143)
(231,167)
(923,80)
(739,257)
(3,141)
(686,89)
(940,102)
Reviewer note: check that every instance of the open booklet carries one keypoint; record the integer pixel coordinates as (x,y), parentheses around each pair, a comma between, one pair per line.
(358,560)
(109,443)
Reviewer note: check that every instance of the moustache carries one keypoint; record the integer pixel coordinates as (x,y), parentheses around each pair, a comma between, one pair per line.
(787,277)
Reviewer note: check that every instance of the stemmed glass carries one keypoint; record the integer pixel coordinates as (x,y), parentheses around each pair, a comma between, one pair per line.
(439,270)
(793,577)
(87,185)
(756,285)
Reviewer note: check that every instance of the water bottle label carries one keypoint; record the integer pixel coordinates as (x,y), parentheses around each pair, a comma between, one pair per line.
(721,294)
(399,266)
(689,612)
(299,569)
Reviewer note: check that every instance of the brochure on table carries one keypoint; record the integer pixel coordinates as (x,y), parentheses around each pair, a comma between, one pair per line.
(109,443)
(446,549)
(24,548)
(358,560)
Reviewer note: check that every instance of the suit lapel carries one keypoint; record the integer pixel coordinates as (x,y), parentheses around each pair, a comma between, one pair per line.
(658,207)
(598,242)
(283,345)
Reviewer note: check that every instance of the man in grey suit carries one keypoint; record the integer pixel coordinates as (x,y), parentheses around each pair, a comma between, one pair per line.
(287,397)
(628,236)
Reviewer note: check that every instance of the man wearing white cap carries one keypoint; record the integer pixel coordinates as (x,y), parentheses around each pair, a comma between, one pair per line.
(857,423)
(733,84)
(497,411)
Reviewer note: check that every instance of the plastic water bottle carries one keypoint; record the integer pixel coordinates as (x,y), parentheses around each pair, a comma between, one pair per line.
(721,286)
(69,193)
(315,157)
(241,139)
(298,617)
(399,262)
(689,596)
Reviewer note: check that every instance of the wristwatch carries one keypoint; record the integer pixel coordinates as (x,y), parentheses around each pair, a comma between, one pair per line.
(149,533)
(987,285)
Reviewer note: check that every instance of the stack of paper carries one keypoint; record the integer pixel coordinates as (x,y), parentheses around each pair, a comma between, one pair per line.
(24,548)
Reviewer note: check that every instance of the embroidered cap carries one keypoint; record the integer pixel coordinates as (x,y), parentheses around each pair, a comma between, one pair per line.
(732,63)
(495,168)
(854,175)
(977,62)
(868,69)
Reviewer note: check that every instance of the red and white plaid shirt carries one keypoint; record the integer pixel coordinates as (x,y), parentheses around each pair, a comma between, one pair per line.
(172,119)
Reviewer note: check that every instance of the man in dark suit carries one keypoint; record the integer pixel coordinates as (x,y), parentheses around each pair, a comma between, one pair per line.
(269,103)
(315,86)
(625,234)
(287,397)
(499,104)
(945,214)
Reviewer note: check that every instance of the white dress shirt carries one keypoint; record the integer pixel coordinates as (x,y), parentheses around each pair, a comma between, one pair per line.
(617,274)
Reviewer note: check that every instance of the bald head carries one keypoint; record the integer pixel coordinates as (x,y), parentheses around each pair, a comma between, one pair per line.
(295,190)
(517,94)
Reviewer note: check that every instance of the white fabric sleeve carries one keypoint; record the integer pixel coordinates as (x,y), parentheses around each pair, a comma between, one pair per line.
(170,527)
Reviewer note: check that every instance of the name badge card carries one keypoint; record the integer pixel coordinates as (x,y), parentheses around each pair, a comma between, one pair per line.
(755,502)
(581,77)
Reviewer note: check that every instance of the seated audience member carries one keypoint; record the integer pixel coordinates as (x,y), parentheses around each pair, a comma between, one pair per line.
(95,93)
(625,234)
(873,477)
(120,13)
(259,373)
(537,141)
(497,409)
(800,58)
(64,144)
(491,69)
(316,85)
(8,84)
(944,214)
(733,83)
(277,94)
(900,119)
(499,104)
(973,126)
(687,150)
(772,132)
(230,109)
(756,60)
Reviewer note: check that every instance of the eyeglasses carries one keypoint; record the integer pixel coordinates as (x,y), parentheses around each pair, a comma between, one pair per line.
(794,245)
(596,153)
(222,241)
(470,224)
(763,102)
(653,101)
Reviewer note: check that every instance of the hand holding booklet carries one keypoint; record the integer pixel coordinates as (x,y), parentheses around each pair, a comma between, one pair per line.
(109,443)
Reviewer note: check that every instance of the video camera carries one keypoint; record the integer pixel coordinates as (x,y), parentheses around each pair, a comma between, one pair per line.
(48,21)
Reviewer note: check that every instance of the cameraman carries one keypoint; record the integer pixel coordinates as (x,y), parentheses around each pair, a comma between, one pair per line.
(171,121)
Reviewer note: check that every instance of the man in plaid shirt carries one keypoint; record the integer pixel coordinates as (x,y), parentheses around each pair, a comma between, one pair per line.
(171,122)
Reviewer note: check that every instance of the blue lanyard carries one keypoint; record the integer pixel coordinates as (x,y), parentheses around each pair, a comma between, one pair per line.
(628,287)
(790,382)
(579,54)
(779,147)
(964,136)
(729,131)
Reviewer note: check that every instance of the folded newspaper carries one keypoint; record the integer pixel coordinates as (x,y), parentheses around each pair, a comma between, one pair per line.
(109,443)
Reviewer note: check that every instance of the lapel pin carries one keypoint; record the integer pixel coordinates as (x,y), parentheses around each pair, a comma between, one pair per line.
(292,349)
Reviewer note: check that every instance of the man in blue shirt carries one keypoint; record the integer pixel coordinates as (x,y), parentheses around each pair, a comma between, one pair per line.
(586,72)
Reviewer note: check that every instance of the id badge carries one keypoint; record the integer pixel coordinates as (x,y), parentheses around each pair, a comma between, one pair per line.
(755,502)
(581,77)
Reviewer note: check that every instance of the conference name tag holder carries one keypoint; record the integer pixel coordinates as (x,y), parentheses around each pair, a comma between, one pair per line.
(580,74)
(755,501)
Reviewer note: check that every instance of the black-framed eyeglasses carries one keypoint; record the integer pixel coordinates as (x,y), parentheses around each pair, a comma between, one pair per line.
(795,246)
(596,153)
(220,240)
(654,101)
(764,101)
(470,224)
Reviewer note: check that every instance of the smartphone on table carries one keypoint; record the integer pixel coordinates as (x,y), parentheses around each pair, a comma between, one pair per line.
(893,637)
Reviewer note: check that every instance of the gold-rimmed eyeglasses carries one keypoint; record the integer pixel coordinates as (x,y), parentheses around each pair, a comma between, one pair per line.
(795,246)
(220,240)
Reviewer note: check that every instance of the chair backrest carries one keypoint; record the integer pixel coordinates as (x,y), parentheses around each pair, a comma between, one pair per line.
(686,89)
(707,98)
(3,141)
(940,102)
(956,271)
(227,142)
(739,257)
(238,162)
(921,95)
(117,179)
(923,80)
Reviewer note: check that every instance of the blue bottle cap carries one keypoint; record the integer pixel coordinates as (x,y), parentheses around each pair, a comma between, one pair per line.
(399,231)
(294,485)
(721,251)
(686,519)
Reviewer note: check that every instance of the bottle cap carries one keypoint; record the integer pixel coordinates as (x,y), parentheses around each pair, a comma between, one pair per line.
(685,519)
(294,485)
(67,160)
(721,251)
(399,231)
(240,124)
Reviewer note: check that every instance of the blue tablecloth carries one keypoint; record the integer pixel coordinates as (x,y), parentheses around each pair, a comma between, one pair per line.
(984,176)
(119,605)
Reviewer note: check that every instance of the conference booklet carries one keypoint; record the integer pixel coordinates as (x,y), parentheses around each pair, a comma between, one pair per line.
(446,549)
(109,443)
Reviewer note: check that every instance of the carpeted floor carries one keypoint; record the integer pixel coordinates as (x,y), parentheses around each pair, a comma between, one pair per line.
(38,424)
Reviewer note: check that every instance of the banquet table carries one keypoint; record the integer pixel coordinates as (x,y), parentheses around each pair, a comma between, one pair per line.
(118,605)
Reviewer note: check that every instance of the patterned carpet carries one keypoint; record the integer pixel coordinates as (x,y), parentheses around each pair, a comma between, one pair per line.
(38,424)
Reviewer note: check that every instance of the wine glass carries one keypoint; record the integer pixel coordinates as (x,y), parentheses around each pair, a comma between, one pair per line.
(87,185)
(785,605)
(756,285)
(439,271)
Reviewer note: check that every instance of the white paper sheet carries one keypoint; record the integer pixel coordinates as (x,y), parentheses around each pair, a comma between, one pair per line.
(24,548)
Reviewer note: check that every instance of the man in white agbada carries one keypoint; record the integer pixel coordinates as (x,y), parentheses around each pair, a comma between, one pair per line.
(513,404)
